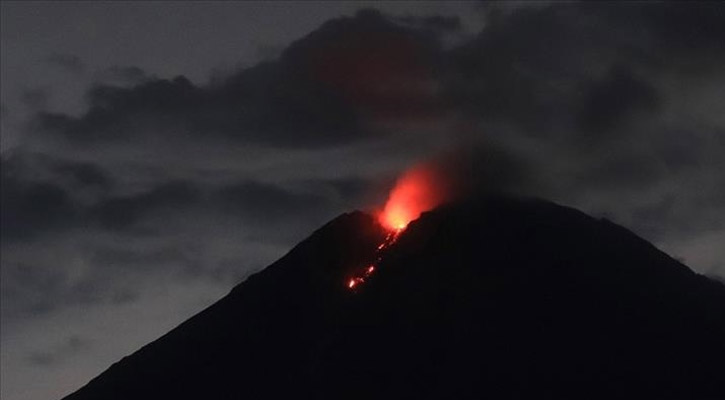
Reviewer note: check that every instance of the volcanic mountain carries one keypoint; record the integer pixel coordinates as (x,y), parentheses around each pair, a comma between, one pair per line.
(494,298)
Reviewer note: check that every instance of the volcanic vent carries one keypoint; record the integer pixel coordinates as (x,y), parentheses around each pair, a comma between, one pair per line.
(416,191)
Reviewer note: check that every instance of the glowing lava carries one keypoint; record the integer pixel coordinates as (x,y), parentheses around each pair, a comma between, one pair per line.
(392,236)
(414,193)
(418,190)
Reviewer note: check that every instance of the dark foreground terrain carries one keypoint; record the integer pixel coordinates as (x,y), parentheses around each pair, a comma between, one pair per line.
(493,299)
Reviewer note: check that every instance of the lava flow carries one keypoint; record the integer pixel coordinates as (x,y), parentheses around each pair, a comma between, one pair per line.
(389,240)
(414,193)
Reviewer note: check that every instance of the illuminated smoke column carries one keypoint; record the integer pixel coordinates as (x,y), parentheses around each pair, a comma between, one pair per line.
(418,190)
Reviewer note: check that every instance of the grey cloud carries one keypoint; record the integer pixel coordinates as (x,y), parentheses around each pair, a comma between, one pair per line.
(44,195)
(124,75)
(319,92)
(81,175)
(694,30)
(35,98)
(437,22)
(41,194)
(68,62)
(576,85)
(169,181)
(121,212)
(612,101)
(29,208)
(650,220)
(350,189)
(105,270)
(621,170)
(68,348)
(30,289)
(274,213)
(521,67)
(540,67)
(267,105)
(110,242)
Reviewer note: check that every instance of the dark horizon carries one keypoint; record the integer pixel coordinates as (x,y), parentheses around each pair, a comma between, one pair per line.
(155,154)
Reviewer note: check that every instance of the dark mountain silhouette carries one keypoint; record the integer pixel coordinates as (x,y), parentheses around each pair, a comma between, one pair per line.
(498,298)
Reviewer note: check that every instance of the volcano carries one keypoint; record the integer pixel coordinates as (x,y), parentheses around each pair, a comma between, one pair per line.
(494,298)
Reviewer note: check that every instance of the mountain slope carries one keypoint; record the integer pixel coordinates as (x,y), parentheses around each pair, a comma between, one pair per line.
(496,298)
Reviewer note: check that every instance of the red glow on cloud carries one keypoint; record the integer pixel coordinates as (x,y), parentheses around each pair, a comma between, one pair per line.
(418,190)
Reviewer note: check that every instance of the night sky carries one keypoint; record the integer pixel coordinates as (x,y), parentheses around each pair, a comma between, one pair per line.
(156,154)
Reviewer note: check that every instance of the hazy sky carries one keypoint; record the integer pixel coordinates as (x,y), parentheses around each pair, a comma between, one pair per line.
(155,154)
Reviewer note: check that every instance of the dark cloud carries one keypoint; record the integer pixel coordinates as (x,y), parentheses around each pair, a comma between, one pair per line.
(44,195)
(611,102)
(520,67)
(436,23)
(650,219)
(124,75)
(123,212)
(267,104)
(551,95)
(36,98)
(320,92)
(540,67)
(67,62)
(350,189)
(58,353)
(32,289)
(116,113)
(378,67)
(263,204)
(620,171)
(37,285)
(680,149)
(29,208)
(547,69)
(677,32)
(83,175)
(162,180)
(479,169)
(102,239)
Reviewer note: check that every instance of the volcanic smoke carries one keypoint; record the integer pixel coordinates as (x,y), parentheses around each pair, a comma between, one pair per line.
(418,190)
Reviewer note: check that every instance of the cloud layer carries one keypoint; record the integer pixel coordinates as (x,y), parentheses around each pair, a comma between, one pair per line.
(162,183)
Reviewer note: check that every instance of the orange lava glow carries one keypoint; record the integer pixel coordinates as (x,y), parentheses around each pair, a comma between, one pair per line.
(418,190)
(414,192)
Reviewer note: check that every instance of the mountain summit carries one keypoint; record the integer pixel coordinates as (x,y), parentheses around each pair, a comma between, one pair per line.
(497,298)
